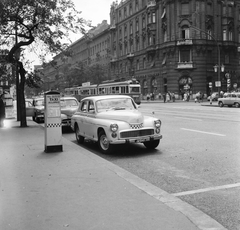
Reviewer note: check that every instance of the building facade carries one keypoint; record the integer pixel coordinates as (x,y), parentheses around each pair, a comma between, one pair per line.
(89,50)
(175,45)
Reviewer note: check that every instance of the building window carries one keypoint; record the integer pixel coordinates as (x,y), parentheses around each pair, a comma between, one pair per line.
(126,67)
(185,32)
(185,8)
(224,35)
(224,10)
(164,35)
(149,18)
(230,35)
(153,17)
(131,28)
(144,63)
(226,59)
(125,12)
(143,22)
(143,42)
(137,45)
(137,25)
(209,33)
(136,5)
(185,55)
(164,59)
(137,65)
(209,9)
(125,30)
(120,15)
(126,48)
(130,9)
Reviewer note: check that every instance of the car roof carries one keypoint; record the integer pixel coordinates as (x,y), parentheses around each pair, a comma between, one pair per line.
(101,97)
(68,97)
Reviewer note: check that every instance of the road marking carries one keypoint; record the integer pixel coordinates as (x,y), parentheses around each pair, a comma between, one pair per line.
(206,189)
(198,131)
(189,118)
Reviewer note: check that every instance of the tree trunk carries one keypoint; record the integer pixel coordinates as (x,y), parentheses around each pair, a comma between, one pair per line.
(22,72)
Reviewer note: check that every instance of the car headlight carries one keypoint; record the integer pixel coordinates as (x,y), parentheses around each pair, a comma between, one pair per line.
(114,127)
(157,123)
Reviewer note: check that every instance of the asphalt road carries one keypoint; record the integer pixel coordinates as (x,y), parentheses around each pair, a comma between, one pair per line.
(198,159)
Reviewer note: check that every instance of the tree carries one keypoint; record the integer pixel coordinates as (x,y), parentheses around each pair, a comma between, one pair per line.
(45,23)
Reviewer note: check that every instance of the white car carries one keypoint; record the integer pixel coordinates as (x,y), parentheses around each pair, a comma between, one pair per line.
(114,119)
(69,106)
(230,99)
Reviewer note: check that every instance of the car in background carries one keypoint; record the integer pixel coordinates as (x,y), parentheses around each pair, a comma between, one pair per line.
(38,103)
(230,99)
(114,119)
(214,95)
(30,109)
(69,106)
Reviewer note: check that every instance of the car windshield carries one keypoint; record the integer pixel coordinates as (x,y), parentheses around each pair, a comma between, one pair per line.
(68,102)
(39,102)
(114,104)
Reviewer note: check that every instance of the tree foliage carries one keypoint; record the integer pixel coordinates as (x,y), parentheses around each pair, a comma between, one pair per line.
(41,23)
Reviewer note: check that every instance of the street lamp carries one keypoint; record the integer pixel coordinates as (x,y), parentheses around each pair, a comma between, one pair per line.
(218,67)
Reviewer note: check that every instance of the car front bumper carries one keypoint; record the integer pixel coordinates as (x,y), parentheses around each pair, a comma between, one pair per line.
(136,139)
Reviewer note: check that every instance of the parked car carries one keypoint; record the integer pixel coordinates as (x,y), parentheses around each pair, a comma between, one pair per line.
(38,103)
(215,96)
(30,109)
(69,106)
(114,119)
(230,99)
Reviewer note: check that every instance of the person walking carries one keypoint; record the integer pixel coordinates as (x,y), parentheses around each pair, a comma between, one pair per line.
(164,97)
(2,110)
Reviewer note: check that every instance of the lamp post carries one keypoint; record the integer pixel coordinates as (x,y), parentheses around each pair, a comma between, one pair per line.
(218,67)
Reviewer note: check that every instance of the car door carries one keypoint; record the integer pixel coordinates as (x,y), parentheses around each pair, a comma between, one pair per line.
(90,120)
(30,109)
(82,115)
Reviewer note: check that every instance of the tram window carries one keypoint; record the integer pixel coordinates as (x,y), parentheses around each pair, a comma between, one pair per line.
(123,89)
(134,89)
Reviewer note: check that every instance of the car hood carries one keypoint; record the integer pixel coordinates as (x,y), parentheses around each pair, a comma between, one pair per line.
(69,111)
(40,107)
(129,116)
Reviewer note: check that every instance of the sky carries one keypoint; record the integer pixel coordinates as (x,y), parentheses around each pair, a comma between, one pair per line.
(95,10)
(92,10)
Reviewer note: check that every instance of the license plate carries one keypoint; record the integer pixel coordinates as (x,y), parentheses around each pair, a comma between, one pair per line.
(143,139)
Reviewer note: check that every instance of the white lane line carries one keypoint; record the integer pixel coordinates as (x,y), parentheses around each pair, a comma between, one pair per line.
(186,118)
(198,131)
(207,189)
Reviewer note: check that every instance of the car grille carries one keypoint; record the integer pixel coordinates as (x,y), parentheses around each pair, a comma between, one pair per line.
(136,133)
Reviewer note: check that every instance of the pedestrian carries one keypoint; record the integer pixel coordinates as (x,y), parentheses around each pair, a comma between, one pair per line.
(148,97)
(164,97)
(2,110)
(173,97)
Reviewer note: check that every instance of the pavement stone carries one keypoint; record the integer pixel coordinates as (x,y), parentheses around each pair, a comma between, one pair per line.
(75,189)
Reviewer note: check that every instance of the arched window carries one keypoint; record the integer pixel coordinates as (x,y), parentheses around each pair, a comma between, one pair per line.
(185,32)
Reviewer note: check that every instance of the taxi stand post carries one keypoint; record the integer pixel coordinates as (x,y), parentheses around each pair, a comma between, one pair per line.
(53,126)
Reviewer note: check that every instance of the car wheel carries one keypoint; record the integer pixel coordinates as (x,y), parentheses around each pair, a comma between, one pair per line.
(237,105)
(151,144)
(220,104)
(79,138)
(103,143)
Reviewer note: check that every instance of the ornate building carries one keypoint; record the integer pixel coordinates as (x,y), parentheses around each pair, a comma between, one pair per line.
(175,45)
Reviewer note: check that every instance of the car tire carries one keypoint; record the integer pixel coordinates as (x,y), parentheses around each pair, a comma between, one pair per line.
(151,144)
(237,105)
(103,143)
(220,104)
(79,138)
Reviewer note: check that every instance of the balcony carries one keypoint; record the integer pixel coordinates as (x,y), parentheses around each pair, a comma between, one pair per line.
(151,49)
(130,55)
(113,59)
(185,65)
(113,27)
(151,4)
(184,42)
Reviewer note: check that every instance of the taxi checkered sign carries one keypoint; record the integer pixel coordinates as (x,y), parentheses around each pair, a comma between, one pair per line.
(54,125)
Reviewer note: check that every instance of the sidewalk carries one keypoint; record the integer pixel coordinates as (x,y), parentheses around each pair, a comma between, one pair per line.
(76,189)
